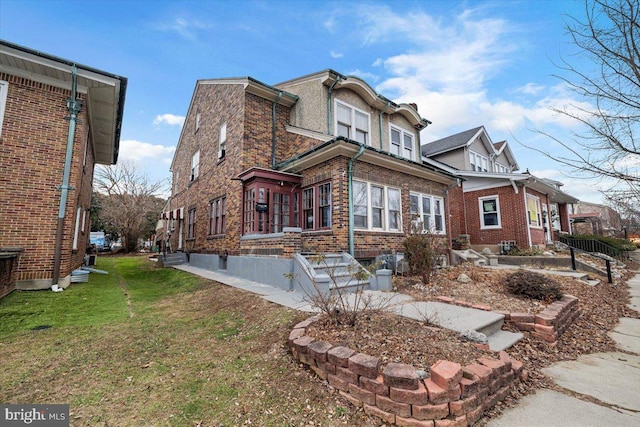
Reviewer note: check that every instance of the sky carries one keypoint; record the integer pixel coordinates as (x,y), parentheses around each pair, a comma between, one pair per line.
(464,63)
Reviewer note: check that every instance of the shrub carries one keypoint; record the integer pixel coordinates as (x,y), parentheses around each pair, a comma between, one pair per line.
(533,285)
(422,250)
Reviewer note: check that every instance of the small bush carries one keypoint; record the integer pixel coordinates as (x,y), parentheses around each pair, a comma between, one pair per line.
(533,285)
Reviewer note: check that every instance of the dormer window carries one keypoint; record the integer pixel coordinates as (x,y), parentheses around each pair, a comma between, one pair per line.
(479,163)
(401,143)
(500,168)
(352,123)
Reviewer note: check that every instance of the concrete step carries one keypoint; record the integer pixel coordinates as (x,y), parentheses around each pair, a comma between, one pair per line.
(502,340)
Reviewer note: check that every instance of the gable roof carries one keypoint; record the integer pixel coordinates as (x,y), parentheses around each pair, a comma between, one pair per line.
(466,138)
(250,85)
(105,92)
(450,143)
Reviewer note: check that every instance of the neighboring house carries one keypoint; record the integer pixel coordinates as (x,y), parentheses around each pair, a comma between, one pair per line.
(321,164)
(593,218)
(57,120)
(494,204)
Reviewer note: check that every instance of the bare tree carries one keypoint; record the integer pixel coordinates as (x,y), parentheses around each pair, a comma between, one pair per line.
(608,105)
(130,201)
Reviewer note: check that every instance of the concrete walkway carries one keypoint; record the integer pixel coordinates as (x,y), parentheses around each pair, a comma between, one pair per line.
(483,326)
(608,382)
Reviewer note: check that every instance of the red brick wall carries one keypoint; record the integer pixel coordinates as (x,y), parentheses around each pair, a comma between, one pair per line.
(249,144)
(34,139)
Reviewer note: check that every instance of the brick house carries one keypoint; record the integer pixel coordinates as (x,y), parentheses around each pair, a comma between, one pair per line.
(594,218)
(494,204)
(57,120)
(320,163)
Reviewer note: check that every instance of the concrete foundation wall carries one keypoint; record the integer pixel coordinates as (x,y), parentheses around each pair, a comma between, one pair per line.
(270,271)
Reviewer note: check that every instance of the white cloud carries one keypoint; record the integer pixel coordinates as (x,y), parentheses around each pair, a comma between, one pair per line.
(138,151)
(185,28)
(531,89)
(335,54)
(170,119)
(368,77)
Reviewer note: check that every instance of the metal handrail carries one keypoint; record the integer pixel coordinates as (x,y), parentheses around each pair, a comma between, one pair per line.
(594,246)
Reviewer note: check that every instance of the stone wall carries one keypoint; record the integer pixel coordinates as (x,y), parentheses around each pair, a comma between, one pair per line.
(451,395)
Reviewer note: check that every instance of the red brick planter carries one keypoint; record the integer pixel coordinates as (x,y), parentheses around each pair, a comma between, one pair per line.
(453,395)
(547,325)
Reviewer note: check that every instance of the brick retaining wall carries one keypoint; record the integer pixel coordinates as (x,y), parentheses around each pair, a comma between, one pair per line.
(547,325)
(452,395)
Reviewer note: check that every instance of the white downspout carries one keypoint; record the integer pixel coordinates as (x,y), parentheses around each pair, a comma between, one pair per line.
(524,193)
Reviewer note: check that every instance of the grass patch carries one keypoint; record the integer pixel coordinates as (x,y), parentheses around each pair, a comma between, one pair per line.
(195,352)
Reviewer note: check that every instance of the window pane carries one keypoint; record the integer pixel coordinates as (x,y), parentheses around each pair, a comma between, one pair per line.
(361,136)
(394,199)
(376,217)
(344,114)
(491,219)
(377,199)
(395,136)
(414,200)
(426,205)
(360,204)
(344,130)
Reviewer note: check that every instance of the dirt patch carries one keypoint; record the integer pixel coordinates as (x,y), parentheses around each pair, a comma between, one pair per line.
(395,339)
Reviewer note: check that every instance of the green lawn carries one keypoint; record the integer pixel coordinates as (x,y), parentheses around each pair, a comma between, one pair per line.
(145,345)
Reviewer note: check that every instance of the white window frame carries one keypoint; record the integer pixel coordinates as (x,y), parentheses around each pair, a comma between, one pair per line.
(222,144)
(538,213)
(386,208)
(475,158)
(195,166)
(401,149)
(197,121)
(481,201)
(4,89)
(353,128)
(431,219)
(500,168)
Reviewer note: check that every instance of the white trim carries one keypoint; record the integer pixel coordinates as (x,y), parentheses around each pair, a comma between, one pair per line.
(401,147)
(482,212)
(432,214)
(4,89)
(353,127)
(385,208)
(77,229)
(539,209)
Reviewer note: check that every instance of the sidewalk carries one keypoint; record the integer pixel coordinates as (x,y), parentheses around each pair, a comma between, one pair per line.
(608,384)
